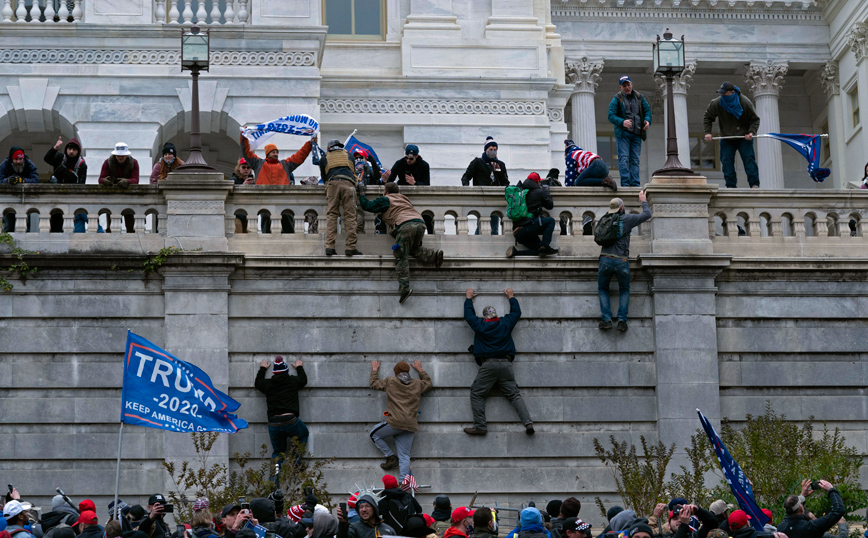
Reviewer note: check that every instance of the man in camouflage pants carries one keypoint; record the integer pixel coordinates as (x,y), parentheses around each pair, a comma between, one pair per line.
(407,227)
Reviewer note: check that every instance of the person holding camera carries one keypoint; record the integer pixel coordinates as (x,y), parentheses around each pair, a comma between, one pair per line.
(281,399)
(234,517)
(153,524)
(369,525)
(797,524)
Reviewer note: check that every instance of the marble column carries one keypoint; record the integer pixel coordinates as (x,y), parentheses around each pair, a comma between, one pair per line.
(584,76)
(765,80)
(830,81)
(857,40)
(680,85)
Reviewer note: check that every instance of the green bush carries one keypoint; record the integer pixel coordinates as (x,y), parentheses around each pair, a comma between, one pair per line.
(640,482)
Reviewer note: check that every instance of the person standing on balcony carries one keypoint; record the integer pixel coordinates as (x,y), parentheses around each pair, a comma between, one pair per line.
(630,113)
(167,163)
(494,352)
(411,170)
(18,168)
(405,224)
(69,166)
(338,174)
(488,170)
(121,169)
(736,117)
(271,170)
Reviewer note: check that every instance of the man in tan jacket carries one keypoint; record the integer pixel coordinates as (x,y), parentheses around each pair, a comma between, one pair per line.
(407,227)
(403,393)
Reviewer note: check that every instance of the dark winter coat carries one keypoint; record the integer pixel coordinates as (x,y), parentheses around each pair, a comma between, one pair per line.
(618,113)
(29,173)
(362,529)
(802,527)
(281,391)
(749,121)
(154,528)
(420,171)
(493,338)
(395,497)
(537,199)
(480,171)
(621,248)
(67,172)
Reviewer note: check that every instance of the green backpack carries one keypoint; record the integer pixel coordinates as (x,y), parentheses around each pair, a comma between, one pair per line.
(608,230)
(516,206)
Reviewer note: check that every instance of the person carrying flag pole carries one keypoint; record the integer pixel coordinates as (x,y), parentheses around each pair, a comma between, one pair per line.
(737,118)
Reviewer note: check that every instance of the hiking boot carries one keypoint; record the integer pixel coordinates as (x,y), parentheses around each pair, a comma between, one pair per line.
(353,252)
(528,429)
(438,259)
(330,252)
(545,250)
(610,184)
(390,463)
(622,326)
(404,295)
(605,325)
(754,186)
(510,252)
(475,431)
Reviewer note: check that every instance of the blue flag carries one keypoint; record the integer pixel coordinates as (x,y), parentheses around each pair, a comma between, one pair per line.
(353,144)
(162,391)
(809,147)
(738,482)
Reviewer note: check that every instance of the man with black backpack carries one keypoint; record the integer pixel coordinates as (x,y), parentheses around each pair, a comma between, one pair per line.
(396,505)
(525,203)
(613,234)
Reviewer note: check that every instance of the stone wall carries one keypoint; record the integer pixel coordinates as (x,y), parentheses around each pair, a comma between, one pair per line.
(720,322)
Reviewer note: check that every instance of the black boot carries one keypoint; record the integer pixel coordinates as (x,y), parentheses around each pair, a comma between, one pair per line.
(390,463)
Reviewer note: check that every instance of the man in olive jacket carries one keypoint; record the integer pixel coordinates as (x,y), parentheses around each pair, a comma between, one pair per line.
(737,117)
(403,395)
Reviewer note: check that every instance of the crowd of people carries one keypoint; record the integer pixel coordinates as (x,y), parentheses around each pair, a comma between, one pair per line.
(394,511)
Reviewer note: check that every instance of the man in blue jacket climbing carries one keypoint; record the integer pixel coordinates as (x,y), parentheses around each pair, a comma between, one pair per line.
(494,352)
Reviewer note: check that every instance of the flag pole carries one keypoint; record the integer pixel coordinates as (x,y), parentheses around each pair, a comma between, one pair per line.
(347,141)
(118,471)
(757,136)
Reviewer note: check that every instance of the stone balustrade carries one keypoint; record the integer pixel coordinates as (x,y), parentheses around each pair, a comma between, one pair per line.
(224,12)
(42,11)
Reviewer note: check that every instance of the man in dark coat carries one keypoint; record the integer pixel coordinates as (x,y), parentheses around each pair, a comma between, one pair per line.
(411,170)
(796,523)
(736,117)
(528,230)
(494,351)
(369,525)
(18,168)
(281,400)
(69,166)
(396,504)
(487,170)
(153,524)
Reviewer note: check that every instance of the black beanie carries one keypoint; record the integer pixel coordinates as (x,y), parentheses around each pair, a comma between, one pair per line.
(554,507)
(612,512)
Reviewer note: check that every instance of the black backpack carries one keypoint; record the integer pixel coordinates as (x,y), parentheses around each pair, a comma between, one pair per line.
(609,229)
(398,512)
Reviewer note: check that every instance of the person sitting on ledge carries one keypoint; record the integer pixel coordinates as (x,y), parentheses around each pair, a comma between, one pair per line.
(167,163)
(69,166)
(121,169)
(585,168)
(527,231)
(18,168)
(271,170)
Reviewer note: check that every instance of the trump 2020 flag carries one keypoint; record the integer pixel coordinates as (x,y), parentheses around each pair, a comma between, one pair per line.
(162,391)
(354,143)
(297,124)
(809,147)
(738,482)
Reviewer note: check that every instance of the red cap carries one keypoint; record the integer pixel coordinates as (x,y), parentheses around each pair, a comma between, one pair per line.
(88,517)
(428,520)
(534,176)
(20,155)
(361,152)
(460,513)
(390,481)
(296,512)
(351,502)
(768,514)
(738,519)
(86,504)
(242,160)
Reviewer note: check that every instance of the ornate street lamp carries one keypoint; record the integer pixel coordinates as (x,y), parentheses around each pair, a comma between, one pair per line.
(195,52)
(668,62)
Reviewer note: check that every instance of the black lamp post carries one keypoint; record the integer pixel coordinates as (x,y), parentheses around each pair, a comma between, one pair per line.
(195,52)
(668,62)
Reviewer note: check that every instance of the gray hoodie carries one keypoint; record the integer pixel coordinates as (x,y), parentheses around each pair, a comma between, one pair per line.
(622,521)
(361,529)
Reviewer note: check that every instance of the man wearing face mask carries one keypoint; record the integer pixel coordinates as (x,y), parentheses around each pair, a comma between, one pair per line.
(167,163)
(487,170)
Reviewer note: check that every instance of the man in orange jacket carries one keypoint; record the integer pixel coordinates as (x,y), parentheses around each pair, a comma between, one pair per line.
(271,170)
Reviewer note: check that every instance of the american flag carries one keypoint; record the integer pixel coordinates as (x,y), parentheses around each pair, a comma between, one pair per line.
(576,160)
(409,482)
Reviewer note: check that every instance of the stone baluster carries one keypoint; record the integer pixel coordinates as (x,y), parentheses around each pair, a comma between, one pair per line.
(76,11)
(139,223)
(461,226)
(49,11)
(44,222)
(321,224)
(680,85)
(174,14)
(798,227)
(777,227)
(765,80)
(63,12)
(160,12)
(821,226)
(299,224)
(21,12)
(276,228)
(732,227)
(242,12)
(7,11)
(21,222)
(215,12)
(440,225)
(68,219)
(844,227)
(484,225)
(117,223)
(505,226)
(862,228)
(754,228)
(201,14)
(229,12)
(188,13)
(584,75)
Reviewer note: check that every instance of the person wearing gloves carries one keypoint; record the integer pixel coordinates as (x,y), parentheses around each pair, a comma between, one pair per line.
(121,169)
(167,163)
(271,170)
(69,166)
(281,399)
(369,525)
(18,168)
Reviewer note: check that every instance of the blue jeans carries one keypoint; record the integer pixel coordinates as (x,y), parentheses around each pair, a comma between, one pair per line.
(593,175)
(280,436)
(629,149)
(748,159)
(529,235)
(621,269)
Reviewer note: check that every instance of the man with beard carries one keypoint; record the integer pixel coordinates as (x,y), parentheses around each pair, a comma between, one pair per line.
(18,168)
(69,166)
